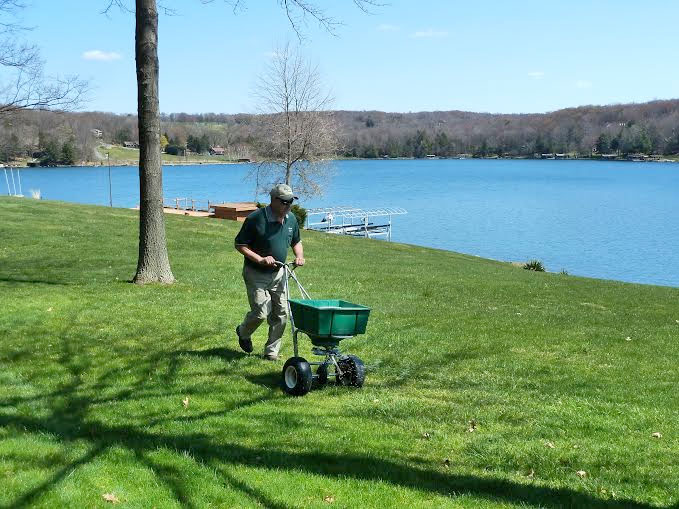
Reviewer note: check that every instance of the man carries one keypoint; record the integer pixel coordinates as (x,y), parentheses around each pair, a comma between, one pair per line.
(263,241)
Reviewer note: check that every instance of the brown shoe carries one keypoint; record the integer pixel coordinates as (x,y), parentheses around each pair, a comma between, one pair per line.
(245,344)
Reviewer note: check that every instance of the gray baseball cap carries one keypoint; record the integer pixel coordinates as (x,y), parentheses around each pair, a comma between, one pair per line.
(282,191)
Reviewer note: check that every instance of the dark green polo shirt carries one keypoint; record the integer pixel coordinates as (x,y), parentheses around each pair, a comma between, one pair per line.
(262,233)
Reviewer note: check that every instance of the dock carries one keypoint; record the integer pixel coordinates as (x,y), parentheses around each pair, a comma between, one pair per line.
(341,220)
(235,211)
(354,221)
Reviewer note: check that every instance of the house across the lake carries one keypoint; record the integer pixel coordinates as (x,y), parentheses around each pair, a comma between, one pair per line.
(216,151)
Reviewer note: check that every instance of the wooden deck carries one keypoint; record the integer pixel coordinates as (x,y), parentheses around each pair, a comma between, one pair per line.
(236,211)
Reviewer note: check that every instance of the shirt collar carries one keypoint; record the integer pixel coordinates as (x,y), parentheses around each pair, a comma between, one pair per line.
(271,217)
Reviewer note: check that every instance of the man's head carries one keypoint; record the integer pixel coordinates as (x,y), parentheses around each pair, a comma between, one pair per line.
(282,198)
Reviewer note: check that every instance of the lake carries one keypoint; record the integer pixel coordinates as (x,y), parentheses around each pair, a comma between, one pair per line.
(602,219)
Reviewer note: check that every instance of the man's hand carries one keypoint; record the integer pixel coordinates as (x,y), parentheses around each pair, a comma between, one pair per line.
(299,261)
(268,261)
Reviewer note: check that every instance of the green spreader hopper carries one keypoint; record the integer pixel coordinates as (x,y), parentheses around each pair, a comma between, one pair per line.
(327,322)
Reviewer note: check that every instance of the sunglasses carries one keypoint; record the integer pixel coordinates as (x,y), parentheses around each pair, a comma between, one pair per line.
(284,202)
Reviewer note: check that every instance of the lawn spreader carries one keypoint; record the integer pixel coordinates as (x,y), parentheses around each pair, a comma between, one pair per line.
(326,322)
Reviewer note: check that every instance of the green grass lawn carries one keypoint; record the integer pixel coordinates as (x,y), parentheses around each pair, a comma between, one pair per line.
(487,385)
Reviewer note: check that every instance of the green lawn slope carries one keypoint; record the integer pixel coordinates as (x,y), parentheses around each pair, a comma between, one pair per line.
(487,385)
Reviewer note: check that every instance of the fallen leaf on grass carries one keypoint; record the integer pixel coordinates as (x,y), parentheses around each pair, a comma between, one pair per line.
(628,338)
(530,474)
(426,436)
(110,497)
(328,499)
(549,444)
(657,434)
(581,474)
(446,463)
(49,310)
(185,402)
(472,426)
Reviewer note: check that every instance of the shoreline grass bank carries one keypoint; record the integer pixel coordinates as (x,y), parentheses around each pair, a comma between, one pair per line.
(487,386)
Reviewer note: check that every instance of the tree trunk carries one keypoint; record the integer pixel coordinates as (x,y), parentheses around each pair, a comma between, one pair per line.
(153,264)
(288,174)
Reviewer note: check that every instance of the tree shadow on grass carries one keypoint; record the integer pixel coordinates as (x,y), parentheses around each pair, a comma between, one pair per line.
(357,466)
(69,421)
(15,281)
(27,499)
(225,354)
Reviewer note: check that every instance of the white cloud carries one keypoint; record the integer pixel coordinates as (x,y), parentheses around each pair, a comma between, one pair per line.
(536,75)
(583,84)
(429,33)
(385,27)
(104,56)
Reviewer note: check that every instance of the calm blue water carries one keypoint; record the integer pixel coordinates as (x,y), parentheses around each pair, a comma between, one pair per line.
(612,220)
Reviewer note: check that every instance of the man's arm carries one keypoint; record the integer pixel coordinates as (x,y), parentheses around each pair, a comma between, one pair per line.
(267,261)
(299,253)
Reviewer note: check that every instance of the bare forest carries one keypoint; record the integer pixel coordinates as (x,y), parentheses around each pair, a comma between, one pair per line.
(74,138)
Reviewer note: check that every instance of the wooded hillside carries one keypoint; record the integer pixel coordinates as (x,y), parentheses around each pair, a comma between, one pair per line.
(648,128)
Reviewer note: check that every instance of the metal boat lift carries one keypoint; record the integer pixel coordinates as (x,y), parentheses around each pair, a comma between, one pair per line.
(353,220)
(9,189)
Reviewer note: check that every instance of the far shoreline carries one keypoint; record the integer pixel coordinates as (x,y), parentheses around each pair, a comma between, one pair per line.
(128,163)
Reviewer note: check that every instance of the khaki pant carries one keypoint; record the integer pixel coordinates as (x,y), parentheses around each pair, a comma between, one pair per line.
(266,294)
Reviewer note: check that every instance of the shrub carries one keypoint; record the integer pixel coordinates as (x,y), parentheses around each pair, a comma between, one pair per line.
(300,214)
(535,265)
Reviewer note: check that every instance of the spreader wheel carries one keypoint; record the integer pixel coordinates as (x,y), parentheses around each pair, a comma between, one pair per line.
(322,375)
(353,371)
(297,376)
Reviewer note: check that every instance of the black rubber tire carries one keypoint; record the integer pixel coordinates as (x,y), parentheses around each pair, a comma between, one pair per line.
(321,377)
(297,376)
(353,371)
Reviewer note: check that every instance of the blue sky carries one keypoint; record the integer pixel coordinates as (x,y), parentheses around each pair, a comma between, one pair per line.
(410,55)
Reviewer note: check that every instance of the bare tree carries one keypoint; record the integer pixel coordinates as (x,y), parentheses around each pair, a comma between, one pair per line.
(299,12)
(299,134)
(23,84)
(153,264)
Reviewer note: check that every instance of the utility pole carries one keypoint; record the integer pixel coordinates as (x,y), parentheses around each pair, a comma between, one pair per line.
(110,195)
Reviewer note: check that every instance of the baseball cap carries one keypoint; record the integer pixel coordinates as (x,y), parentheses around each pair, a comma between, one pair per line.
(282,191)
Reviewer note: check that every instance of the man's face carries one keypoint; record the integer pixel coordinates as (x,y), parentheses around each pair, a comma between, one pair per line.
(280,206)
